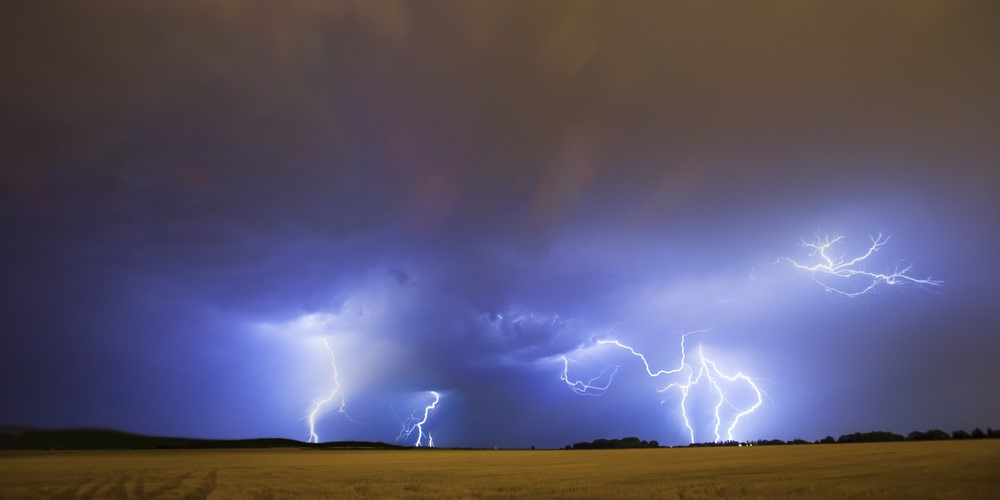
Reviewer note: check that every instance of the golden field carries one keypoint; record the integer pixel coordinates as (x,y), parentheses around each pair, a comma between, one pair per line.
(949,469)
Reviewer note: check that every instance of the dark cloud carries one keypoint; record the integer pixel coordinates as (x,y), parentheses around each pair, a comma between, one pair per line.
(455,195)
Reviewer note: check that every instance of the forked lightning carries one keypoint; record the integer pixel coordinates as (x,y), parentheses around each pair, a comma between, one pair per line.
(690,376)
(318,404)
(849,277)
(414,424)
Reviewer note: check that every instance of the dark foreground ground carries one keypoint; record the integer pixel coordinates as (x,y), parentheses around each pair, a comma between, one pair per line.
(12,438)
(951,469)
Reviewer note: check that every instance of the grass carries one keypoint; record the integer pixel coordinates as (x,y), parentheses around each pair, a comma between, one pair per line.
(951,469)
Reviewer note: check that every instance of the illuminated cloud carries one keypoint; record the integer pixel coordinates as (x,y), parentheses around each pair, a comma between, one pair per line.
(465,197)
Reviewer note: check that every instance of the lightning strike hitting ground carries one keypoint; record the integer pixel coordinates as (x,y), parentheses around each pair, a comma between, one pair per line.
(707,370)
(412,424)
(320,403)
(832,266)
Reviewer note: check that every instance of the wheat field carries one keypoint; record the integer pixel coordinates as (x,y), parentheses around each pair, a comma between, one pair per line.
(952,469)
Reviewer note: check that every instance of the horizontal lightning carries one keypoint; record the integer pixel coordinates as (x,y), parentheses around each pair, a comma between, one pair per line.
(590,387)
(830,266)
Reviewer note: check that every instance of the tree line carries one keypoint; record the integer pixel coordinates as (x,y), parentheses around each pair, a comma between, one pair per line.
(929,435)
(871,437)
(613,444)
(857,437)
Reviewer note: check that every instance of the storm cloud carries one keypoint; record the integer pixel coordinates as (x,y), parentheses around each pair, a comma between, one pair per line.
(457,194)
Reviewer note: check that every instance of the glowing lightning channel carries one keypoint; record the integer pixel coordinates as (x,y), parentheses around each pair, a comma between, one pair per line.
(412,424)
(707,370)
(711,368)
(587,388)
(318,404)
(838,267)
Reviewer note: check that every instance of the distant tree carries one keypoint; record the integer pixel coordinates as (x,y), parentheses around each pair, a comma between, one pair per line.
(629,442)
(937,434)
(990,432)
(828,440)
(960,434)
(767,442)
(870,437)
(931,435)
(612,444)
(532,447)
(977,433)
(799,441)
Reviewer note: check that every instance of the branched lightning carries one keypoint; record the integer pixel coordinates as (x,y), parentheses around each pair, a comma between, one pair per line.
(691,375)
(588,388)
(318,404)
(831,266)
(414,424)
(708,369)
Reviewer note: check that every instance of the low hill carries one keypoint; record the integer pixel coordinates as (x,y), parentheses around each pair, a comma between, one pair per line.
(103,439)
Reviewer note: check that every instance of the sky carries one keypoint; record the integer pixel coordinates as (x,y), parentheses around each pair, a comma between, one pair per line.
(472,198)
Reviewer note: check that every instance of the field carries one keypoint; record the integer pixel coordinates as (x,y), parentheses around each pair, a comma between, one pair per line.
(951,469)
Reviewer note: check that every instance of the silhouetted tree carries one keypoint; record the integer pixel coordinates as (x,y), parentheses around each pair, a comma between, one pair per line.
(857,437)
(931,435)
(870,437)
(629,442)
(936,434)
(767,442)
(606,444)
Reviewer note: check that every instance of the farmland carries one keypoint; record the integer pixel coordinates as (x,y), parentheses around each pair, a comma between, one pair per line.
(951,469)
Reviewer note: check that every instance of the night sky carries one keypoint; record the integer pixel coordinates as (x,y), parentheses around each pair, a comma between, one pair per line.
(455,195)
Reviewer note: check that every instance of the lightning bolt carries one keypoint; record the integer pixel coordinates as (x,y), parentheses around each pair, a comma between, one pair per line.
(412,424)
(710,371)
(587,388)
(707,371)
(831,265)
(318,404)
